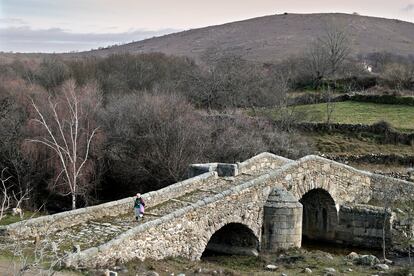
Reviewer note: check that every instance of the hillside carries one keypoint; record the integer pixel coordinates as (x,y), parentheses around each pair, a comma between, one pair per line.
(278,36)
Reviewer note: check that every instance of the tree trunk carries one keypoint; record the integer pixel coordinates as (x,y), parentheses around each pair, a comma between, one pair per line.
(73,201)
(383,234)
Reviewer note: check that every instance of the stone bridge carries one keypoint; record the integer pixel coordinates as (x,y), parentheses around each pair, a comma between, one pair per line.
(263,204)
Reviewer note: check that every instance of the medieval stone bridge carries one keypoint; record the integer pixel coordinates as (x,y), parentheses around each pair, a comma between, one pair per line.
(263,204)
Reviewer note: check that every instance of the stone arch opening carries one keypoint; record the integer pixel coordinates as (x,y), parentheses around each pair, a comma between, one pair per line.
(320,216)
(232,239)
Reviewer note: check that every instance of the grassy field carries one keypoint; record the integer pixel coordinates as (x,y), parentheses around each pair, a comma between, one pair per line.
(399,116)
(341,144)
(9,219)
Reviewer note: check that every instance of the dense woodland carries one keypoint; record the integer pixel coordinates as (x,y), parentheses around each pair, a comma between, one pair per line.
(94,129)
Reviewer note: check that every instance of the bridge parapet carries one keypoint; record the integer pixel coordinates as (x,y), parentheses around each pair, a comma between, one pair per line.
(48,224)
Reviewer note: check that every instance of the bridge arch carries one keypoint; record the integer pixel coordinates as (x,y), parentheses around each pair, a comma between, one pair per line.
(234,238)
(320,215)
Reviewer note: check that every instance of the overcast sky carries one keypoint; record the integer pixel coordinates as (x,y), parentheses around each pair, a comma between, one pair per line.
(73,25)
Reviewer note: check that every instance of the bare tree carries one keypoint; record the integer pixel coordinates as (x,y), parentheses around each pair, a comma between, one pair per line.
(335,44)
(68,132)
(330,103)
(5,196)
(327,54)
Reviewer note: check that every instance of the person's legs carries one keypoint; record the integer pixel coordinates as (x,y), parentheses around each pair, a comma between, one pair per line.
(137,213)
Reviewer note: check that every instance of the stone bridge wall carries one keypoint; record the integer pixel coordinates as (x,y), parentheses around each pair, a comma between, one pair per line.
(262,160)
(47,224)
(362,225)
(187,231)
(184,232)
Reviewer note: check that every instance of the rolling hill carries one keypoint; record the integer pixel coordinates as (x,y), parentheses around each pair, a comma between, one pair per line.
(275,37)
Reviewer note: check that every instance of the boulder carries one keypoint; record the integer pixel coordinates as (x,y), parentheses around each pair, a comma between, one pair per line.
(352,256)
(271,267)
(307,270)
(330,270)
(382,266)
(370,260)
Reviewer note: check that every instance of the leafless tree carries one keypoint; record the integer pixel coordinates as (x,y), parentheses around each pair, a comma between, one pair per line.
(69,133)
(330,103)
(335,44)
(5,196)
(399,76)
(327,54)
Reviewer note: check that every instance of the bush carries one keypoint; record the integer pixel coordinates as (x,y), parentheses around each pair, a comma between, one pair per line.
(51,73)
(383,99)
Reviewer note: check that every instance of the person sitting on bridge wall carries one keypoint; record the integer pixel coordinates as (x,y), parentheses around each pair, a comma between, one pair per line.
(139,207)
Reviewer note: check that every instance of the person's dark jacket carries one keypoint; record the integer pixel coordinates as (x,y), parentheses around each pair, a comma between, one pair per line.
(139,201)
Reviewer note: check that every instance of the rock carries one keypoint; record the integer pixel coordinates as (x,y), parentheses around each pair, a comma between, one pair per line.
(329,256)
(382,266)
(388,262)
(329,270)
(180,274)
(370,260)
(271,267)
(110,273)
(352,256)
(152,273)
(307,270)
(17,211)
(283,274)
(76,248)
(349,270)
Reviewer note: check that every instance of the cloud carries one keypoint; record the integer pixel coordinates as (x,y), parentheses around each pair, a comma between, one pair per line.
(26,39)
(409,8)
(11,21)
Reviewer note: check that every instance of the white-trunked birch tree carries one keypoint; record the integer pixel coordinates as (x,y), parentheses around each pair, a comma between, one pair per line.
(68,128)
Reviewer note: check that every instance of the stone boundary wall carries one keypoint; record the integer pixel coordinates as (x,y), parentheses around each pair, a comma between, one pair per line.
(388,135)
(51,223)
